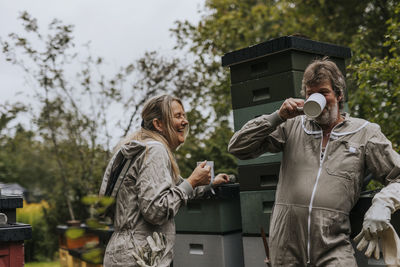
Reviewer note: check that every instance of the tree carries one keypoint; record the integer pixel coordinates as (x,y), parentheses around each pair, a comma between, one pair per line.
(8,113)
(62,120)
(376,81)
(232,24)
(72,122)
(74,119)
(229,25)
(66,151)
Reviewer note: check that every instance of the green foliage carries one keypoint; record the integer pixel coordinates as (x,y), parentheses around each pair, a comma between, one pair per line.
(376,82)
(74,232)
(373,185)
(69,137)
(94,255)
(212,147)
(43,264)
(8,113)
(41,246)
(64,153)
(93,252)
(72,126)
(228,25)
(64,156)
(100,209)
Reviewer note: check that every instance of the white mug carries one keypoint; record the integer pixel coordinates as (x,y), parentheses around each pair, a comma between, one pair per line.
(314,105)
(211,164)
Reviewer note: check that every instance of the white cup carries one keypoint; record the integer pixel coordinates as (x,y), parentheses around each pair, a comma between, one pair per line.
(211,164)
(3,219)
(314,105)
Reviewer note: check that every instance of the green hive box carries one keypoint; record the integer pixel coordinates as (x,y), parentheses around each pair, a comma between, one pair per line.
(271,64)
(282,54)
(256,207)
(272,70)
(215,215)
(266,89)
(259,176)
(262,159)
(264,75)
(243,115)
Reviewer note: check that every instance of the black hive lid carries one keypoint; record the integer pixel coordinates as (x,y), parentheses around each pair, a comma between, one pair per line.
(282,44)
(10,202)
(15,232)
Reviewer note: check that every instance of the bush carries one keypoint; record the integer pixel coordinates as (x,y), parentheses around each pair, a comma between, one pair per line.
(41,246)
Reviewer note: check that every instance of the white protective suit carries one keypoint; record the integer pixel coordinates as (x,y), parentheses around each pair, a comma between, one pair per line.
(146,203)
(310,221)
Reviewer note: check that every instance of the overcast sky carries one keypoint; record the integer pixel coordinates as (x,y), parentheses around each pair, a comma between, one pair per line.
(119,30)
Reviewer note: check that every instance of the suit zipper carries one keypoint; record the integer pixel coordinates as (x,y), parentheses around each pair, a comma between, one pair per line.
(321,160)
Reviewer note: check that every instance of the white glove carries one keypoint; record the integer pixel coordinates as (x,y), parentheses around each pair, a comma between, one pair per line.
(376,219)
(373,245)
(391,247)
(384,203)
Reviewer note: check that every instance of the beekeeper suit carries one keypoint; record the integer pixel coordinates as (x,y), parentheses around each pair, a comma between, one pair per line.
(146,203)
(323,164)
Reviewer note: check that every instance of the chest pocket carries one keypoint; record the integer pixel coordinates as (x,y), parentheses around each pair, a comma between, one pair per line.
(343,159)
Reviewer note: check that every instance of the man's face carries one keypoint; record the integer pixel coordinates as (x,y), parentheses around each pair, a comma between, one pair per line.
(331,113)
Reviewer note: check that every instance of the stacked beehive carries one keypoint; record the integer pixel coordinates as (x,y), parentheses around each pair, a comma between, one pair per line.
(262,77)
(209,231)
(12,233)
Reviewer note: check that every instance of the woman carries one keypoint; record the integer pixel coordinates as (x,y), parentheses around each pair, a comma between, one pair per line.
(152,192)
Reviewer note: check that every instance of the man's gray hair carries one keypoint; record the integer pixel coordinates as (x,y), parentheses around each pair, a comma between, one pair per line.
(322,70)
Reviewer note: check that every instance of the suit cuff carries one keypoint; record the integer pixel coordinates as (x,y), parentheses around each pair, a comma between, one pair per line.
(186,187)
(275,119)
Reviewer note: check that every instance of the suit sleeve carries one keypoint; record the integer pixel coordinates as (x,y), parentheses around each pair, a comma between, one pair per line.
(159,198)
(263,134)
(384,163)
(199,191)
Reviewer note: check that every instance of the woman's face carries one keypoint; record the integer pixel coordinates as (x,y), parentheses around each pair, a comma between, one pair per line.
(179,121)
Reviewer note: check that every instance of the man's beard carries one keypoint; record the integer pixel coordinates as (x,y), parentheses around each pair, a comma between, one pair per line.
(328,117)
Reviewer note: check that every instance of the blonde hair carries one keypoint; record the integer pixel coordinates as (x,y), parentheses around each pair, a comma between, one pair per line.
(159,107)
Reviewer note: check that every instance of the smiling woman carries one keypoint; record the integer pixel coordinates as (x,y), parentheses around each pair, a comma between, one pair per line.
(173,123)
(153,190)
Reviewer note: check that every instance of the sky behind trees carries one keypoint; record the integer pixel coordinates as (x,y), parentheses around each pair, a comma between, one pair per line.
(119,31)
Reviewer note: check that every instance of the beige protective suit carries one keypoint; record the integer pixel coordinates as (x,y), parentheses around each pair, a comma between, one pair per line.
(147,201)
(310,222)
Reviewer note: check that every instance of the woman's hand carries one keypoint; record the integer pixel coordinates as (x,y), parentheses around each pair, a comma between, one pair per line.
(201,175)
(221,178)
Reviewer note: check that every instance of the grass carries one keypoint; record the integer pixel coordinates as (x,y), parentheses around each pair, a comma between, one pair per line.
(43,264)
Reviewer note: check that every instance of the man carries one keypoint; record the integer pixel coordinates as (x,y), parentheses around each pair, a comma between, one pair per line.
(323,164)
